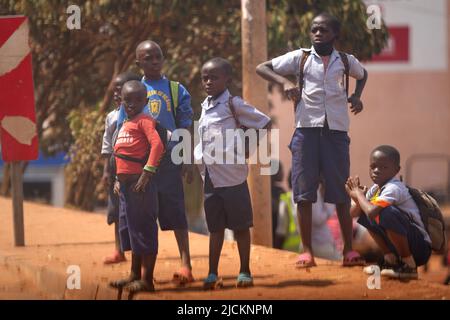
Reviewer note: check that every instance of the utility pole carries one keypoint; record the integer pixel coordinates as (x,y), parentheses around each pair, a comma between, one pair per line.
(254,51)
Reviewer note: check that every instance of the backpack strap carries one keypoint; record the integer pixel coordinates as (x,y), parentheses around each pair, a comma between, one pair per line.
(132,159)
(306,54)
(174,89)
(344,59)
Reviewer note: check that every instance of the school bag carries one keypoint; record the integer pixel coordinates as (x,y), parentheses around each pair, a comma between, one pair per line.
(306,54)
(432,218)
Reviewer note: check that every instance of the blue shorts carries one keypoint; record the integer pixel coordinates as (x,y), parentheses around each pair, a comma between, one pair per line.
(391,218)
(169,186)
(320,153)
(138,230)
(227,207)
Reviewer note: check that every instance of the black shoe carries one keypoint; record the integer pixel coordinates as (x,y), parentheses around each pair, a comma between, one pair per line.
(403,272)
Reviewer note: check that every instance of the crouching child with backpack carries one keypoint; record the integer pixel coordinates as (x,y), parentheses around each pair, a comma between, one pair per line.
(395,217)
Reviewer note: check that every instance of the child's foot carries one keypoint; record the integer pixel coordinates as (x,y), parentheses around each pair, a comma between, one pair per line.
(212,282)
(183,276)
(116,257)
(353,258)
(244,280)
(387,269)
(404,272)
(140,286)
(305,260)
(121,283)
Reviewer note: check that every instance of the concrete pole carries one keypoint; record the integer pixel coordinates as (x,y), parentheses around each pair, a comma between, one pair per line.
(254,51)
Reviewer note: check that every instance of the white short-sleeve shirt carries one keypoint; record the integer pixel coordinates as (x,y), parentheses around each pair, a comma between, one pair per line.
(216,118)
(324,91)
(395,193)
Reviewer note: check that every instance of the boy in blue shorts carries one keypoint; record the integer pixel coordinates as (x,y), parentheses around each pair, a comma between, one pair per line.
(320,144)
(391,216)
(170,116)
(226,196)
(109,168)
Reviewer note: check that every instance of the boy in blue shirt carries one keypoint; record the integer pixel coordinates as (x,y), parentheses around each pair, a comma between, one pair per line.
(161,106)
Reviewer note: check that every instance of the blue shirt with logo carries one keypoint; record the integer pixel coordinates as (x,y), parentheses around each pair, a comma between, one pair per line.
(160,108)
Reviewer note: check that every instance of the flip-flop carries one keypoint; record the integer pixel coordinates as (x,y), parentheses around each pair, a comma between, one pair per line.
(183,276)
(121,283)
(305,260)
(244,280)
(139,286)
(353,258)
(116,257)
(212,282)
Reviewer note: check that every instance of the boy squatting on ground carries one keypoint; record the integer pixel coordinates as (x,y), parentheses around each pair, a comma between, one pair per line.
(226,196)
(391,216)
(138,197)
(168,179)
(109,167)
(320,144)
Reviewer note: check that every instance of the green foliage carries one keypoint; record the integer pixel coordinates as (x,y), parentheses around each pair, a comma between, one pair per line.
(73,69)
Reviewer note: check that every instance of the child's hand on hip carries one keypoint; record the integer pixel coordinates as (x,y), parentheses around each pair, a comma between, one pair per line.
(356,104)
(142,182)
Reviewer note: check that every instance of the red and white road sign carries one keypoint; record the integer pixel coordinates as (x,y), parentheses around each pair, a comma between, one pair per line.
(18,134)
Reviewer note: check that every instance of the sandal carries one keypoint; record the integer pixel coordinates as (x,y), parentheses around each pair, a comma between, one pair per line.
(305,260)
(183,276)
(244,280)
(140,286)
(212,282)
(121,283)
(353,258)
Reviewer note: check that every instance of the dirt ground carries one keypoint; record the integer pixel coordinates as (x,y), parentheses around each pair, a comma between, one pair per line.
(57,238)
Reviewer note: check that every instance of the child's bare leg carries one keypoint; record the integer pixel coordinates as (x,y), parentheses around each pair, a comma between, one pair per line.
(380,242)
(118,255)
(148,264)
(401,244)
(135,274)
(304,215)
(117,237)
(145,284)
(215,248)
(243,241)
(345,221)
(182,237)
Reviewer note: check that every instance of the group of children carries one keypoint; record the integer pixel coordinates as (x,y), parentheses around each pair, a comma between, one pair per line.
(139,168)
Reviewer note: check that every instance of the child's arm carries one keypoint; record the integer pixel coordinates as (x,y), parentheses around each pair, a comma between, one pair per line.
(147,125)
(277,69)
(265,70)
(357,194)
(249,116)
(107,149)
(358,72)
